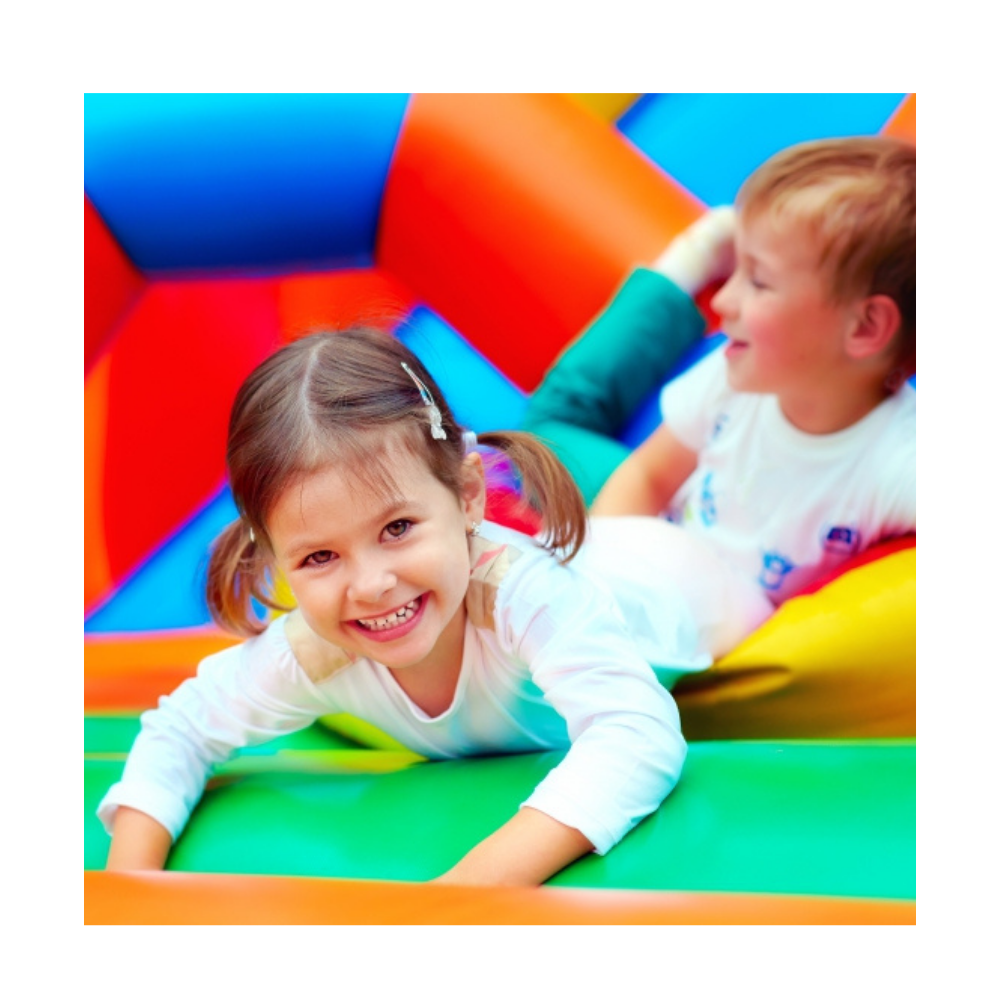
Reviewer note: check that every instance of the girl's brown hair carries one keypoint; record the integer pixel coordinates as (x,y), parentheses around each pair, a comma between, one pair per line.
(345,397)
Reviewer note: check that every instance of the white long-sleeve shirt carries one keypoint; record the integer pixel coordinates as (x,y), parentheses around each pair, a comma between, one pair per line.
(548,663)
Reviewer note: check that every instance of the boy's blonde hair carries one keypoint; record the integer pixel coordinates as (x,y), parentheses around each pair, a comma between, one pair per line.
(858,197)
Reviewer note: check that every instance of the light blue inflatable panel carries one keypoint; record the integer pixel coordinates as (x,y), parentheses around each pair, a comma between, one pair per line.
(168,590)
(480,395)
(710,143)
(192,183)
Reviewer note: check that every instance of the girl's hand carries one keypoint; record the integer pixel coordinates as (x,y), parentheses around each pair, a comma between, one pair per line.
(139,842)
(525,851)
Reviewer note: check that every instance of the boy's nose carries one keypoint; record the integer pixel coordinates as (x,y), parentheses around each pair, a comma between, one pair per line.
(723,301)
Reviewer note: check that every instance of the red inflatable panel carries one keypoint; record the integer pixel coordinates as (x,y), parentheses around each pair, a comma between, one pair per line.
(174,371)
(515,216)
(111,284)
(310,302)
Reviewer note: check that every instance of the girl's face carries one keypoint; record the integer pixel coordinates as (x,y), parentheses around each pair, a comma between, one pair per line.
(383,579)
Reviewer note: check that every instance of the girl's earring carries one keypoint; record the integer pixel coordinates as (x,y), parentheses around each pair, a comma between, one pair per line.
(474,530)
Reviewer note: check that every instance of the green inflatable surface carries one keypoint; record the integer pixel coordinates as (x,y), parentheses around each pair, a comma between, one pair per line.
(831,818)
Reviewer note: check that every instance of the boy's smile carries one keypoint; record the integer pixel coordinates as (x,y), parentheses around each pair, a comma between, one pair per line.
(786,334)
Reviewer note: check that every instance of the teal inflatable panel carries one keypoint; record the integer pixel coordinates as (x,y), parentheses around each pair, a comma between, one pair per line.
(816,818)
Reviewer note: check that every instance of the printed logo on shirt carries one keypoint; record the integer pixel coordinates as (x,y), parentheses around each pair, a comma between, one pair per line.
(707,510)
(776,568)
(842,540)
(720,424)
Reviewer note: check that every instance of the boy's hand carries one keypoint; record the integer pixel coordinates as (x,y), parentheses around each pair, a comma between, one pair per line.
(703,253)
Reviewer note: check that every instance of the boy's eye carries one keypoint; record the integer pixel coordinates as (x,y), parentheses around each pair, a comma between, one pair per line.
(398,528)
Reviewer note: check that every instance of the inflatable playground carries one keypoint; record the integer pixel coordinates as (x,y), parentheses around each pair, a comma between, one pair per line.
(487,231)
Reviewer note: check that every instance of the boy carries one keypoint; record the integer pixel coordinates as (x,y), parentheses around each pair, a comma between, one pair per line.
(794,447)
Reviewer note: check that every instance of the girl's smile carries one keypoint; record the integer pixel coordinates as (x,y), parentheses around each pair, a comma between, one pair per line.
(394,624)
(382,577)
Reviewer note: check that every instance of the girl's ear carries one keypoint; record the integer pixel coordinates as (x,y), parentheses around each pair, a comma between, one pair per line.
(877,323)
(473,487)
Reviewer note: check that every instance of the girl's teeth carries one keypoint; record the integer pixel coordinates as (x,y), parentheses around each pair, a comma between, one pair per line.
(405,613)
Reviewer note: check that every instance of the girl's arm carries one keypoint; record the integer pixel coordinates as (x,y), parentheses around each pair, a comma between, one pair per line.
(245,695)
(526,850)
(138,842)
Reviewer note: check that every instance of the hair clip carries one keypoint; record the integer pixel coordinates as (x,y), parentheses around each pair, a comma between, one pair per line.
(253,536)
(469,441)
(437,431)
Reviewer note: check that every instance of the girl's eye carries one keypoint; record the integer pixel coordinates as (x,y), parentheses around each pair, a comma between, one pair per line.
(320,558)
(398,528)
(756,282)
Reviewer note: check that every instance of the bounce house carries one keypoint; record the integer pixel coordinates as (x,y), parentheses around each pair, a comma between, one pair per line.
(486,231)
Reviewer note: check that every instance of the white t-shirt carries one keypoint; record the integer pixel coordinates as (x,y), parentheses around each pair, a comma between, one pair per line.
(548,664)
(780,505)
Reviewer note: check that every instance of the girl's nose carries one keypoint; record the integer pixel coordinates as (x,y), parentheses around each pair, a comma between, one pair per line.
(371,582)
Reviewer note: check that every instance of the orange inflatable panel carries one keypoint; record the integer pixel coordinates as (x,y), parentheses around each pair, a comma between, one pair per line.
(474,173)
(184,898)
(903,123)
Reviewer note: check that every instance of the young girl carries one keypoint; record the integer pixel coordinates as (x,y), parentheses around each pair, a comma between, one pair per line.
(455,636)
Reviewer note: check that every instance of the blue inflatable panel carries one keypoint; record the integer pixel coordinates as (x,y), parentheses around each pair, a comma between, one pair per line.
(648,417)
(193,183)
(710,143)
(480,395)
(168,590)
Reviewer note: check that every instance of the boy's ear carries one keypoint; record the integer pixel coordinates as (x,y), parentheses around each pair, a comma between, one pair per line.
(474,486)
(877,323)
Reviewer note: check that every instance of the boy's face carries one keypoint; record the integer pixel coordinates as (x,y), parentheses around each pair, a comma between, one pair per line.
(786,335)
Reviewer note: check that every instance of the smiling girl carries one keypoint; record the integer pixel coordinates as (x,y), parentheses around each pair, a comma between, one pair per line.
(453,635)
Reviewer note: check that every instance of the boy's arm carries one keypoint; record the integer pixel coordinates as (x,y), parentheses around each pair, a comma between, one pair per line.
(647,480)
(526,850)
(139,842)
(596,386)
(632,347)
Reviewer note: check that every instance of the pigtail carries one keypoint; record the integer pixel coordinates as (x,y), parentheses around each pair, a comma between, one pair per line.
(237,574)
(547,487)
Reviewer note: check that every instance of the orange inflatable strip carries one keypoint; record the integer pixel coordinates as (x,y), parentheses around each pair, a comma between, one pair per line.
(127,672)
(903,124)
(97,579)
(473,173)
(184,898)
